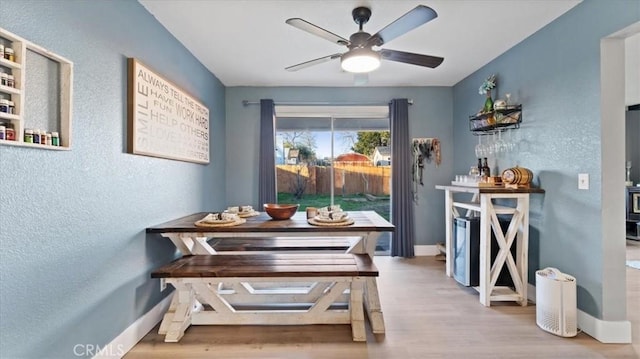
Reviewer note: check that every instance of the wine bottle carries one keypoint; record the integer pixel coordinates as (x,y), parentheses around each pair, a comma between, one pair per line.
(486,171)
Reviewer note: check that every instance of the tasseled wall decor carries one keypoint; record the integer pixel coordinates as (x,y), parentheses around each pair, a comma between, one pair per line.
(424,149)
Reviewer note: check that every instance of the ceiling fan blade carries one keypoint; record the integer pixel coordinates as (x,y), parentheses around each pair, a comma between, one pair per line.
(411,58)
(320,60)
(418,16)
(316,30)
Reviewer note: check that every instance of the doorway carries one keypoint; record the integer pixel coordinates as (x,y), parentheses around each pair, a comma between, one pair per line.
(613,93)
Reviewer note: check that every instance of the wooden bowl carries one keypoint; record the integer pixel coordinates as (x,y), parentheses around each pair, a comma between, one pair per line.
(280,211)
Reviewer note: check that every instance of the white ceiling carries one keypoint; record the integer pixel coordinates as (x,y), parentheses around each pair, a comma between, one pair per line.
(247,43)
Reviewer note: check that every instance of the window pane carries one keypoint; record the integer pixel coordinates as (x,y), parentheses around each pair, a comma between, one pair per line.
(317,167)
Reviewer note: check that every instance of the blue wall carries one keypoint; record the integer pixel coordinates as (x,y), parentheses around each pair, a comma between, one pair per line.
(429,116)
(555,74)
(74,259)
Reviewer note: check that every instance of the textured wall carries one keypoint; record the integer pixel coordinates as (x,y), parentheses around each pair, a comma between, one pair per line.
(555,74)
(74,258)
(429,116)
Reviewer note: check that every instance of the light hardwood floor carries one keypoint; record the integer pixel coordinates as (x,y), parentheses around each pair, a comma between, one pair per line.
(427,315)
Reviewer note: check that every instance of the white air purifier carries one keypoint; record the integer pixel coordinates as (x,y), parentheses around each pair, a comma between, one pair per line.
(556,302)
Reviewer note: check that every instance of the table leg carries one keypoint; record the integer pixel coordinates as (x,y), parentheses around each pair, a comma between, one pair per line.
(357,315)
(367,244)
(372,305)
(522,247)
(485,249)
(183,244)
(168,316)
(448,218)
(188,245)
(200,246)
(181,318)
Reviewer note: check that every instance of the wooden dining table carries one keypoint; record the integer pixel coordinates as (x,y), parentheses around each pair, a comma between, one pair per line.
(363,235)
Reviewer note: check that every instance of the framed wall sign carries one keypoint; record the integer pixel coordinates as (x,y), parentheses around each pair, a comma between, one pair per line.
(163,120)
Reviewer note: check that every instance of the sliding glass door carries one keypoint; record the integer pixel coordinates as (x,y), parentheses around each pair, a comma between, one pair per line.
(335,157)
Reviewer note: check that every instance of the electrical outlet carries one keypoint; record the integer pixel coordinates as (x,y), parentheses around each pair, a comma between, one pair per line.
(583,181)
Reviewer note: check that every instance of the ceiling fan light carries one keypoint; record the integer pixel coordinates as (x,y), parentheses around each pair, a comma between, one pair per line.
(360,60)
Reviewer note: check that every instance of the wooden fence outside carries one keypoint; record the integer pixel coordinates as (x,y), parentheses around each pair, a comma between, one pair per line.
(349,179)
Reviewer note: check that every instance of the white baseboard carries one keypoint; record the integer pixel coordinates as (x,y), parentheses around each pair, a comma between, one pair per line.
(531,293)
(605,331)
(425,250)
(136,331)
(609,332)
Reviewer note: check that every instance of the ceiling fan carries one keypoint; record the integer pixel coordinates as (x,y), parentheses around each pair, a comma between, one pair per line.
(361,57)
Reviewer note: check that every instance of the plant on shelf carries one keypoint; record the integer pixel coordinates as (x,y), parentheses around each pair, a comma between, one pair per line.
(485,89)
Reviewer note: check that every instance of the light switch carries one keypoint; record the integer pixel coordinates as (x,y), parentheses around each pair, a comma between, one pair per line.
(583,181)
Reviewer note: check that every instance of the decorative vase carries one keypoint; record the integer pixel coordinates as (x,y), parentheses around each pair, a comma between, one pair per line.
(488,103)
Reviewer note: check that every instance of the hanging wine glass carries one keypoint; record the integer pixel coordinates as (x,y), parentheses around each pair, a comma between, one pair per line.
(500,145)
(491,146)
(479,148)
(512,142)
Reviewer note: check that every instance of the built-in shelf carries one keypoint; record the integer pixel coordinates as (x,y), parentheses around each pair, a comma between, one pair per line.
(34,145)
(18,121)
(9,90)
(8,116)
(5,62)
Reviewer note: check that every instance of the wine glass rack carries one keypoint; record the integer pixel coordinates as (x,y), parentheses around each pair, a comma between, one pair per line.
(501,119)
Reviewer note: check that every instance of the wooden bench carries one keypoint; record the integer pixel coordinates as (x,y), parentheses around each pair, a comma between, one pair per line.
(199,299)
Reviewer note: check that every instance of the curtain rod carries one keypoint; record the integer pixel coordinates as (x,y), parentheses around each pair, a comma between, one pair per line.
(247,103)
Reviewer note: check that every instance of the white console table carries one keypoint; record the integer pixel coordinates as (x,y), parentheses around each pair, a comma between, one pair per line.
(482,204)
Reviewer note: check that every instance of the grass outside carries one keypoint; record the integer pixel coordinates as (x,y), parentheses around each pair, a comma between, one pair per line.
(357,202)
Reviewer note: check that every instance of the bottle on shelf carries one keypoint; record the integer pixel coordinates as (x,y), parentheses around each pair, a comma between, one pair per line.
(28,135)
(485,171)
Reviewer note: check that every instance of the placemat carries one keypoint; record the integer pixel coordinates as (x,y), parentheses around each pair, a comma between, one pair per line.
(226,224)
(314,222)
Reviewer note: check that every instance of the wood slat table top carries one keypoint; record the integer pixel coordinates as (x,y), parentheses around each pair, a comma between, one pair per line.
(365,221)
(499,190)
(269,265)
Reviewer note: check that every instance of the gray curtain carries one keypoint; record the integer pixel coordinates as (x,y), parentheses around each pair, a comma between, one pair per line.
(401,203)
(267,163)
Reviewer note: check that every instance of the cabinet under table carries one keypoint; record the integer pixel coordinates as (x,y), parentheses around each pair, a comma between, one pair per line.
(482,204)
